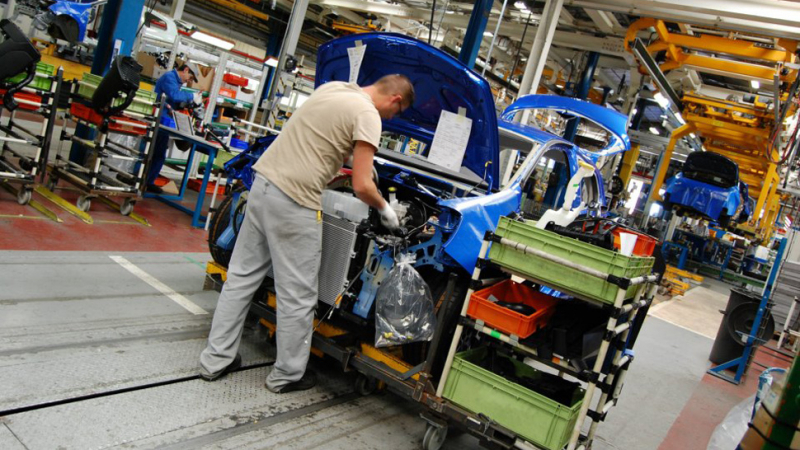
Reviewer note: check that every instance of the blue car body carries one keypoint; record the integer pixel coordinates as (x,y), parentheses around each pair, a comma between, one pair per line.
(708,186)
(69,20)
(468,202)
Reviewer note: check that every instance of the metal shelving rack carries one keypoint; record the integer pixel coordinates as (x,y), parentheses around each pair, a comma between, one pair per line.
(622,315)
(28,170)
(90,179)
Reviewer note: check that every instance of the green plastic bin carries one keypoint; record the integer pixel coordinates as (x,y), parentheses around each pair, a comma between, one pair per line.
(142,103)
(558,276)
(41,82)
(529,414)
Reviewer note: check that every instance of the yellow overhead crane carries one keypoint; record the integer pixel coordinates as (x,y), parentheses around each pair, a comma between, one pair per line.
(740,131)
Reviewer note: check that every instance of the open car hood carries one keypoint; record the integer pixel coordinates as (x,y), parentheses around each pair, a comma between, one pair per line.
(613,122)
(440,82)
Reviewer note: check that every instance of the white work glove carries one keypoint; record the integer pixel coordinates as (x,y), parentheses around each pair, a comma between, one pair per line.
(198,98)
(389,217)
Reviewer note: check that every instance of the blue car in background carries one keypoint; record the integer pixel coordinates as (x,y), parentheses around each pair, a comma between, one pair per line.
(67,21)
(445,212)
(708,187)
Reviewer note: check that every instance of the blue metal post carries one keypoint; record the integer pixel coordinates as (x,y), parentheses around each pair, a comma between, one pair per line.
(583,92)
(118,27)
(475,29)
(740,363)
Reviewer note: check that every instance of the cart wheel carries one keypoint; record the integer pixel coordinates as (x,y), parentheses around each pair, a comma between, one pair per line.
(51,183)
(434,438)
(24,196)
(366,385)
(127,207)
(84,203)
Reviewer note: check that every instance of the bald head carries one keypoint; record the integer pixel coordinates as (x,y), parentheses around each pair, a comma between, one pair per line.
(392,94)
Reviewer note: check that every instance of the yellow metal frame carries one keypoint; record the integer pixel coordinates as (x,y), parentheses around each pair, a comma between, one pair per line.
(658,178)
(675,43)
(628,164)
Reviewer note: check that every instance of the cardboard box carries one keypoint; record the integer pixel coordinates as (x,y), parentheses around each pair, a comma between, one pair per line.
(246,95)
(148,63)
(204,79)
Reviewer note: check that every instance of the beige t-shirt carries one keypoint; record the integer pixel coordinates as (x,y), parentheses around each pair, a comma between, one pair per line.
(318,139)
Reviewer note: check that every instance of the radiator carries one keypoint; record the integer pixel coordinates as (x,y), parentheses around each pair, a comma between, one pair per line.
(338,242)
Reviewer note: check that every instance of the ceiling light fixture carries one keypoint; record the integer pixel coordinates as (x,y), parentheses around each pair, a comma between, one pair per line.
(755,84)
(659,97)
(655,131)
(212,40)
(520,5)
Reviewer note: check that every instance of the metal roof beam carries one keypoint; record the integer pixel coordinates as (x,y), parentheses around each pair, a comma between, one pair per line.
(767,17)
(605,21)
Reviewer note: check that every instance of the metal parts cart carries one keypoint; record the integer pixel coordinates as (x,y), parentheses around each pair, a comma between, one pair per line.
(620,330)
(137,115)
(35,89)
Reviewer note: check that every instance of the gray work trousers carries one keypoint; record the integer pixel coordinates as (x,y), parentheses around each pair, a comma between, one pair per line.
(279,233)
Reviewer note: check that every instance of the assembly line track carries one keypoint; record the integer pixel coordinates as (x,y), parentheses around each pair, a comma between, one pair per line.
(65,401)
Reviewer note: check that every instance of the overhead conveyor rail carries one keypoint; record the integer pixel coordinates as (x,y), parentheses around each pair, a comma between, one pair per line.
(748,133)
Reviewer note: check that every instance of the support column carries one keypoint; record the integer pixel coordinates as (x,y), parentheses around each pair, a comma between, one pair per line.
(663,164)
(118,28)
(475,29)
(583,92)
(290,38)
(538,56)
(176,10)
(762,196)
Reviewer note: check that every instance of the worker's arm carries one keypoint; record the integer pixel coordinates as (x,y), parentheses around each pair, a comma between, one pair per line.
(365,188)
(172,87)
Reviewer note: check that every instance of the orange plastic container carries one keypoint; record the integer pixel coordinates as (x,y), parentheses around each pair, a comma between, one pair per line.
(225,92)
(508,321)
(645,244)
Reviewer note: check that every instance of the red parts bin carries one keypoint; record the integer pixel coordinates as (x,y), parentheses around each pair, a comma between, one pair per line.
(24,96)
(116,124)
(235,80)
(506,320)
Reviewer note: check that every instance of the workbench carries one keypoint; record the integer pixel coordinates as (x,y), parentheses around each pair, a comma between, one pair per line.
(199,144)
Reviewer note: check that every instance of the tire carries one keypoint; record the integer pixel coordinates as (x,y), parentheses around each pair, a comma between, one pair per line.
(365,385)
(434,438)
(219,222)
(127,207)
(84,203)
(24,196)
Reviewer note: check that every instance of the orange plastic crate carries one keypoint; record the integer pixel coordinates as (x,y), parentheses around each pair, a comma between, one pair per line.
(225,92)
(508,321)
(645,244)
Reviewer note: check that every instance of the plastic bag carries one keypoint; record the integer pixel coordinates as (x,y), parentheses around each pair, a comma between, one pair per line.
(404,306)
(729,433)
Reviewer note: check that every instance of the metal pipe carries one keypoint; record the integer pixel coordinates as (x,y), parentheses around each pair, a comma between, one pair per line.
(494,37)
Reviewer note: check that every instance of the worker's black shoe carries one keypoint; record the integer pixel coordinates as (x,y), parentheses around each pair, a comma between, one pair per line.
(308,381)
(233,366)
(153,189)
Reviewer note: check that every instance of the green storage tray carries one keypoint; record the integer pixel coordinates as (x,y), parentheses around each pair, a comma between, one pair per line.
(531,415)
(142,104)
(558,276)
(43,83)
